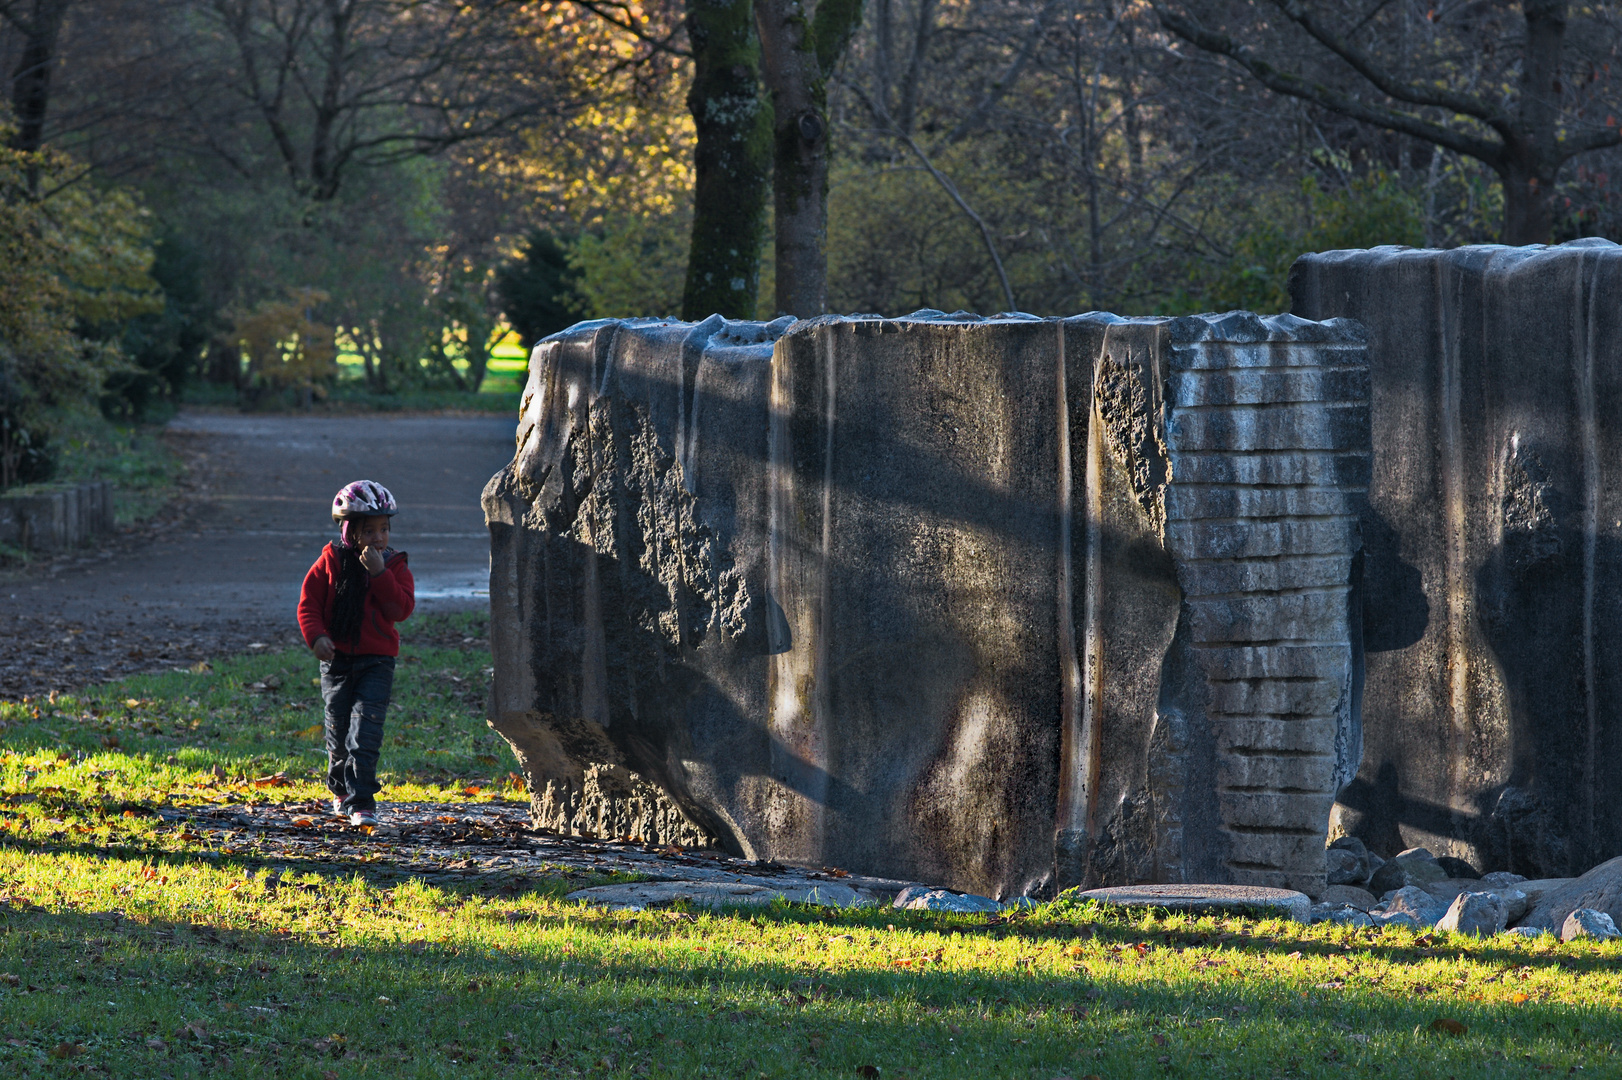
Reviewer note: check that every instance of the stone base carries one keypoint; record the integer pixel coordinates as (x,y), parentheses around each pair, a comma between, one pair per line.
(1237,899)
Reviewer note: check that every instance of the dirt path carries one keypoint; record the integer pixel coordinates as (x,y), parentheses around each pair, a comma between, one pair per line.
(220,570)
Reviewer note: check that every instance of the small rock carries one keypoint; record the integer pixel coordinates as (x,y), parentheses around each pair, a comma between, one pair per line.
(1347,861)
(1255,899)
(1341,914)
(1528,931)
(1416,866)
(1348,896)
(1499,878)
(1344,867)
(1588,923)
(1350,843)
(1458,868)
(1553,900)
(1389,920)
(1516,903)
(1477,913)
(1414,901)
(946,900)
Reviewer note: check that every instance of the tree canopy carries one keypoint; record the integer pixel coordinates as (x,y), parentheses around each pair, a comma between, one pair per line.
(416,179)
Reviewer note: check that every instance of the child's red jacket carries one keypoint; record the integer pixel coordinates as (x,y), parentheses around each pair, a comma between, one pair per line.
(390,598)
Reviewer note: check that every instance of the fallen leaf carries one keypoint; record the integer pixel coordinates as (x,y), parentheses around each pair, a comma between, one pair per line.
(332,1045)
(302,823)
(1293,956)
(1448,1026)
(1520,999)
(155,1043)
(9,979)
(472,789)
(310,732)
(66,1050)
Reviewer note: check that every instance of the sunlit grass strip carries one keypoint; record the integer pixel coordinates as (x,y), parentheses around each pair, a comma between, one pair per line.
(788,992)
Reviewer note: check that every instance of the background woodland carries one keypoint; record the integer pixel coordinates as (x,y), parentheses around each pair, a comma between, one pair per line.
(225,198)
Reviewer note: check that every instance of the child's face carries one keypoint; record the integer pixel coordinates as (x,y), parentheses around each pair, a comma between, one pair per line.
(373,532)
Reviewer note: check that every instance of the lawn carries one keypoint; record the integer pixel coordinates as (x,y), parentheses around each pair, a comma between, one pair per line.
(132,946)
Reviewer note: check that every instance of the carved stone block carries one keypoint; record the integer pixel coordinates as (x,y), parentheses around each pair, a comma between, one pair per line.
(1493,535)
(1007,604)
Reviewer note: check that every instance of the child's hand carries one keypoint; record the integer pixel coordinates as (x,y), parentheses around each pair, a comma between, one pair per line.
(372,559)
(323,649)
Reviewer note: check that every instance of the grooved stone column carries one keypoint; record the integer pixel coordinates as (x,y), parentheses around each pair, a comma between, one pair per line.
(1009,604)
(1227,460)
(1493,710)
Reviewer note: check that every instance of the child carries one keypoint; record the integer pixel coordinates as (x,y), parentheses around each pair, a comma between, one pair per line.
(353,595)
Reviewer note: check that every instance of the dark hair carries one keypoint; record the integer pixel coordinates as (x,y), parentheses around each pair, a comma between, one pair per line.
(349,605)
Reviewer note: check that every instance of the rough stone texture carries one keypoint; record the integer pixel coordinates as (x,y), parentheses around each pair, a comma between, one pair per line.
(1479,913)
(1348,896)
(1500,878)
(925,899)
(1529,931)
(1010,604)
(1414,901)
(1415,866)
(718,894)
(1348,862)
(1516,902)
(1241,898)
(1343,867)
(1391,920)
(1341,914)
(1494,549)
(1588,923)
(1600,888)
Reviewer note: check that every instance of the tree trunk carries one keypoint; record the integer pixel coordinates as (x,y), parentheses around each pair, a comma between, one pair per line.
(1531,158)
(731,161)
(797,53)
(1528,204)
(799,158)
(31,78)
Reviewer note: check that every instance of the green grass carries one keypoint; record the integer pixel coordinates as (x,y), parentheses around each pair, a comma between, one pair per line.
(131,950)
(260,714)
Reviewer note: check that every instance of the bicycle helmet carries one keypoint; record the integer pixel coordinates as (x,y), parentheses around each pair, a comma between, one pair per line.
(363,498)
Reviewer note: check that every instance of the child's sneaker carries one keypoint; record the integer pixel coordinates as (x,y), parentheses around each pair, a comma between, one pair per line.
(362,817)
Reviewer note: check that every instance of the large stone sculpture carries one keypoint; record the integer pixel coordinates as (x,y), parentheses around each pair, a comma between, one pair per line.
(1494,549)
(1003,604)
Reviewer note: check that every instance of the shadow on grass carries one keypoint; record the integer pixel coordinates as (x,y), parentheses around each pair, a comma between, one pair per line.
(237,1002)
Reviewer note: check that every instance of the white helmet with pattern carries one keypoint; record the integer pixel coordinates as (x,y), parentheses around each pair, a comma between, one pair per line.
(363,498)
